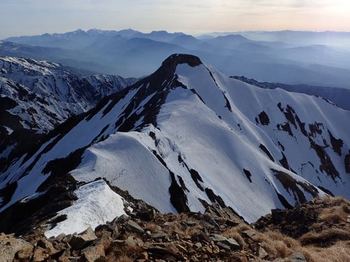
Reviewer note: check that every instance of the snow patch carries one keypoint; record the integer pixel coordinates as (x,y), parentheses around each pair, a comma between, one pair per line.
(8,130)
(96,205)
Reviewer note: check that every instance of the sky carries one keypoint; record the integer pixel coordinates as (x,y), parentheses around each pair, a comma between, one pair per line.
(28,17)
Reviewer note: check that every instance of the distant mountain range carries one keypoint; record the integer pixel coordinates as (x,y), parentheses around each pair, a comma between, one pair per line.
(302,38)
(265,56)
(180,139)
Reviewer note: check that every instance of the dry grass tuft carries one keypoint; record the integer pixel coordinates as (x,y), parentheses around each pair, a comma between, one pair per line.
(190,231)
(340,252)
(276,249)
(331,201)
(346,208)
(307,254)
(331,217)
(242,227)
(122,253)
(152,227)
(174,228)
(234,233)
(334,215)
(123,259)
(277,244)
(288,241)
(325,238)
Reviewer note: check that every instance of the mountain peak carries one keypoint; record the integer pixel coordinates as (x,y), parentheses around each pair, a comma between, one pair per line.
(176,59)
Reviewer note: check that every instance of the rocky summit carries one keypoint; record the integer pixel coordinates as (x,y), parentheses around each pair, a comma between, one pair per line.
(315,231)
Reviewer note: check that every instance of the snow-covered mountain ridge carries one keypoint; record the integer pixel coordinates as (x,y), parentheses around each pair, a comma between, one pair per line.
(36,96)
(338,96)
(67,92)
(188,136)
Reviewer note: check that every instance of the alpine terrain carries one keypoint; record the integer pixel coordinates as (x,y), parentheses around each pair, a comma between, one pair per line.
(181,139)
(36,96)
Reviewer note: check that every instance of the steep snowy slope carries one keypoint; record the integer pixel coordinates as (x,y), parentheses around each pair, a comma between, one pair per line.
(339,96)
(187,136)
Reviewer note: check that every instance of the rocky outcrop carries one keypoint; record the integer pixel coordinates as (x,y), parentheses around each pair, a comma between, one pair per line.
(312,218)
(347,163)
(177,59)
(264,118)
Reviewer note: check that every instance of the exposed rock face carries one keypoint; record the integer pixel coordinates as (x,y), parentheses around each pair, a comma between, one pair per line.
(264,118)
(347,163)
(133,226)
(176,59)
(337,144)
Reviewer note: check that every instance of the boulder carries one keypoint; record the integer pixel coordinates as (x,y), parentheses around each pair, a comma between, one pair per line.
(233,244)
(262,253)
(159,235)
(297,257)
(25,253)
(146,214)
(250,233)
(121,219)
(225,242)
(83,239)
(133,226)
(223,246)
(47,245)
(40,254)
(94,253)
(10,246)
(217,238)
(134,241)
(99,230)
(198,245)
(163,252)
(277,215)
(200,237)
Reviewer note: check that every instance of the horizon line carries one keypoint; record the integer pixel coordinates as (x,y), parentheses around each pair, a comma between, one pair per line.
(173,32)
